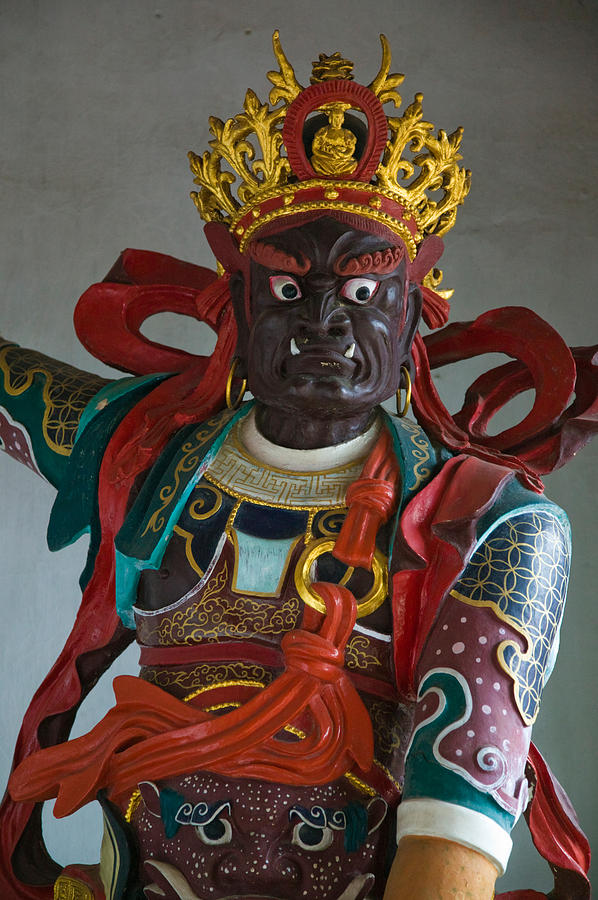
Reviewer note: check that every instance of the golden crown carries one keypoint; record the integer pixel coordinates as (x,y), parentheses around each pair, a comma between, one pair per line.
(301,152)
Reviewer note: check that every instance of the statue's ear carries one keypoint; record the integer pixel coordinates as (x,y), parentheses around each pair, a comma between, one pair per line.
(377,809)
(429,252)
(239,301)
(412,320)
(150,794)
(415,302)
(224,247)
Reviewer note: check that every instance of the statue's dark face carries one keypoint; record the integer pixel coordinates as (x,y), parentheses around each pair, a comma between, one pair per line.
(323,342)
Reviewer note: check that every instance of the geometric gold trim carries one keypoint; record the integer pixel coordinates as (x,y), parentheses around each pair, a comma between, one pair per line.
(65,394)
(248,498)
(239,474)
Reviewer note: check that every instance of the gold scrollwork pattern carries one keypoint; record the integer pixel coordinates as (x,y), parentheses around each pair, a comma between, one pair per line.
(521,572)
(66,392)
(420,453)
(188,462)
(204,503)
(359,653)
(214,616)
(207,675)
(329,523)
(386,725)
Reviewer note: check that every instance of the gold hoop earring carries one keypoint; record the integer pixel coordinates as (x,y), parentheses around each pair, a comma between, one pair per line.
(229,384)
(403,410)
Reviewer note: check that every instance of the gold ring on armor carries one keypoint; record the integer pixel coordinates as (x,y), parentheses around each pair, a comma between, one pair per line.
(303,578)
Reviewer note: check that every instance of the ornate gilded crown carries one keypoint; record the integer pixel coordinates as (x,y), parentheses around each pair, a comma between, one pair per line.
(303,151)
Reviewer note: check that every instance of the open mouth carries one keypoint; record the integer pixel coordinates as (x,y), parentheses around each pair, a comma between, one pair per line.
(296,350)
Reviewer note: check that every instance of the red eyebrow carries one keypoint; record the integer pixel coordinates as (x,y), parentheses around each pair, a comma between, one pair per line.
(272,258)
(380,262)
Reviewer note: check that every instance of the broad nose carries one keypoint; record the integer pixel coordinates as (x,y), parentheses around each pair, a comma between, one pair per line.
(323,316)
(257,870)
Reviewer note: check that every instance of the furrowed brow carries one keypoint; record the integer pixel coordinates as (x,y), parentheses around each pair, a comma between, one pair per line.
(272,258)
(378,262)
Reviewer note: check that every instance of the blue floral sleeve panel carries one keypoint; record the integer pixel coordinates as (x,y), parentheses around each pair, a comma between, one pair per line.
(480,679)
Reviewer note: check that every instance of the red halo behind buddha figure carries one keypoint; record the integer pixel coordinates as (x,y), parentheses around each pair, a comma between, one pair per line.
(316,97)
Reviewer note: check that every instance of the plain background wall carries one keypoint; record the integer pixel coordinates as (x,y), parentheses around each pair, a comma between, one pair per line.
(100,103)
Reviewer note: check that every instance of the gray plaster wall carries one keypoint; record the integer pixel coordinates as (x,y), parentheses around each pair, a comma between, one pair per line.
(99,104)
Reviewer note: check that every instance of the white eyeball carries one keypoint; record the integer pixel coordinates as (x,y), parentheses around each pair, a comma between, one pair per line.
(359,290)
(285,288)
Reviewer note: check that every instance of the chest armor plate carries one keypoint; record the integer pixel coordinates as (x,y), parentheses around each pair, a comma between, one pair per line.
(231,585)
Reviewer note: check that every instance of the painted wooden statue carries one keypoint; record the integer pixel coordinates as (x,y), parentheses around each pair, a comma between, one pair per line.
(345,617)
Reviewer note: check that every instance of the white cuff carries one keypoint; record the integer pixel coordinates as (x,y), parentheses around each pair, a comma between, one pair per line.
(436,818)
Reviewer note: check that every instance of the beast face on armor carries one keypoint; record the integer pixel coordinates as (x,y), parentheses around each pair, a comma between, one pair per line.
(247,838)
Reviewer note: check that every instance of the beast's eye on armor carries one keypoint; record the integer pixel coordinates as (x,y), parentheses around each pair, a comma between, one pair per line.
(218,831)
(359,290)
(312,837)
(283,287)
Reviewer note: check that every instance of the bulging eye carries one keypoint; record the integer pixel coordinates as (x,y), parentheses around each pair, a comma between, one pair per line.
(311,837)
(218,831)
(283,287)
(359,290)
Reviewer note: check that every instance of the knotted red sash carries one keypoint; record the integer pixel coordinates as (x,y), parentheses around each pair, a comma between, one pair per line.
(151,734)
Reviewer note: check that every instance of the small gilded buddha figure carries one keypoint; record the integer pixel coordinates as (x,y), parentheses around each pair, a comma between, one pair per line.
(333,146)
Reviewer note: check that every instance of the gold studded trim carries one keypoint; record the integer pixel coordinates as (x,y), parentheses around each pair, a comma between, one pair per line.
(247,225)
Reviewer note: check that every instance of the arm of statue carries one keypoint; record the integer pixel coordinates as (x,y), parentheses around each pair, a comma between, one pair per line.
(435,869)
(41,404)
(480,679)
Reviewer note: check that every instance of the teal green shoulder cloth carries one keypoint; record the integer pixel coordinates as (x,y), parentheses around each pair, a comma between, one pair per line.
(75,510)
(141,542)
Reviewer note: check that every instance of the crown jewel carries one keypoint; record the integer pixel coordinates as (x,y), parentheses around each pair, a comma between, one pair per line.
(304,150)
